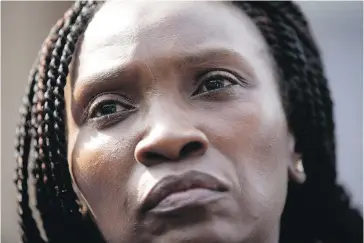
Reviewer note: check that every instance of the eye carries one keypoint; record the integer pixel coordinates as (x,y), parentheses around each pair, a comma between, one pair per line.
(108,105)
(216,80)
(107,108)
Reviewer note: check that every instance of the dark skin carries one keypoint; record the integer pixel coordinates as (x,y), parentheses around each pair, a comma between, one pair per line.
(151,78)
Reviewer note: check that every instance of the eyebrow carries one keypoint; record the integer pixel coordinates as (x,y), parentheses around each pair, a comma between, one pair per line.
(118,78)
(218,57)
(125,77)
(215,56)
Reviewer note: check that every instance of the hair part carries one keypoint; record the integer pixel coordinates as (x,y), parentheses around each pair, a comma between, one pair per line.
(317,210)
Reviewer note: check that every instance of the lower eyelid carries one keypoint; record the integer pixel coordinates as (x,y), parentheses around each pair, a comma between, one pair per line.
(92,109)
(111,120)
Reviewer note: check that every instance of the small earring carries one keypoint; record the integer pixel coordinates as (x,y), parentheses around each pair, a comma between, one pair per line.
(299,166)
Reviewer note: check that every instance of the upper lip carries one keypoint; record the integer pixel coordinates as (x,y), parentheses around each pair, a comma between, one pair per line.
(178,183)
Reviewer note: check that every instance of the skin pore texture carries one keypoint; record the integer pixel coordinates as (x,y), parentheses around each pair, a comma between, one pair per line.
(152,78)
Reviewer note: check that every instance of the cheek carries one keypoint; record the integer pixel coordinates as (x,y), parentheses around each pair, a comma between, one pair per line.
(100,167)
(258,145)
(263,167)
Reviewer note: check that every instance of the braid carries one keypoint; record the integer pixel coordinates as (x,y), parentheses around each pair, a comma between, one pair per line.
(30,232)
(54,106)
(47,202)
(309,111)
(56,201)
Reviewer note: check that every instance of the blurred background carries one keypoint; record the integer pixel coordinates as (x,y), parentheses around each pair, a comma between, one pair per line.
(338,27)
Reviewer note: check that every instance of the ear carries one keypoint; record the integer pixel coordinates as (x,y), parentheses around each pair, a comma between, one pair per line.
(296,169)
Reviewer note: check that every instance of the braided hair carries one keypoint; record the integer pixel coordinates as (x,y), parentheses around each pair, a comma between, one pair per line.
(318,210)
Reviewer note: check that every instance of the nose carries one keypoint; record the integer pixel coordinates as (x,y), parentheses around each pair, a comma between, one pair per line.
(170,143)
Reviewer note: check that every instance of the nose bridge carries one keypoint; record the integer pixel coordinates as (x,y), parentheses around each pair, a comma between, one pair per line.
(171,134)
(167,110)
(169,117)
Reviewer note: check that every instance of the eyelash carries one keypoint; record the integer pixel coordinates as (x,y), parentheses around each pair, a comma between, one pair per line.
(115,99)
(95,105)
(218,75)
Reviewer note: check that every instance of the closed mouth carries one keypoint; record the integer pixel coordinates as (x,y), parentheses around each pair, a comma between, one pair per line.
(172,185)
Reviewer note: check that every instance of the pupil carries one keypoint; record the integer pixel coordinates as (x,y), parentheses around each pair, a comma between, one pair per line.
(108,109)
(214,84)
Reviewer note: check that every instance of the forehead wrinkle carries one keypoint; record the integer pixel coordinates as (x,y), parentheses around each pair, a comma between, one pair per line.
(212,56)
(148,40)
(140,23)
(142,52)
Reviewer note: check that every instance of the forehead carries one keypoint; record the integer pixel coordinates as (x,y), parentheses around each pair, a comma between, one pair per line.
(122,32)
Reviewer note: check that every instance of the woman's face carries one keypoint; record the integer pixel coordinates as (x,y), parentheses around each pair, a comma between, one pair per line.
(176,131)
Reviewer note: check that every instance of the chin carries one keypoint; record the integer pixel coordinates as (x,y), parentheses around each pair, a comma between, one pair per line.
(219,224)
(208,232)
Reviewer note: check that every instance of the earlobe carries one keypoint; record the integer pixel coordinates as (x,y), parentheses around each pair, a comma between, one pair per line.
(296,170)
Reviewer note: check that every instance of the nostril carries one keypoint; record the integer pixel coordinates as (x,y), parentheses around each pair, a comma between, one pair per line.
(170,151)
(191,148)
(152,156)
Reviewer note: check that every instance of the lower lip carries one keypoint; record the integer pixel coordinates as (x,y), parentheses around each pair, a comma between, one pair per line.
(190,198)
